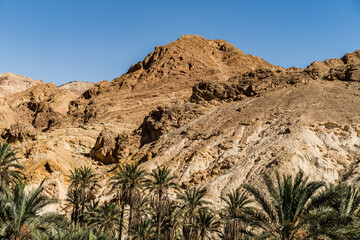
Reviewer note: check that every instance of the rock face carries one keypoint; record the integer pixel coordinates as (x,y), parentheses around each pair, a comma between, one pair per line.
(167,118)
(284,129)
(216,116)
(111,147)
(19,132)
(39,107)
(11,83)
(77,87)
(346,68)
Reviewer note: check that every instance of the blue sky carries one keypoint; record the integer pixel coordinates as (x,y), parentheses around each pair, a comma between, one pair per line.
(78,40)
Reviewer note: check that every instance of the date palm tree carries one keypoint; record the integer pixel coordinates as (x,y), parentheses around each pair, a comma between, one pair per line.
(128,183)
(103,218)
(22,212)
(170,219)
(191,200)
(172,216)
(282,211)
(10,169)
(144,230)
(83,178)
(336,213)
(73,200)
(82,182)
(142,207)
(235,214)
(72,233)
(159,183)
(207,225)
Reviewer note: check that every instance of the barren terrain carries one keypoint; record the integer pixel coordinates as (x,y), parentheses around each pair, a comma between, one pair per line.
(217,116)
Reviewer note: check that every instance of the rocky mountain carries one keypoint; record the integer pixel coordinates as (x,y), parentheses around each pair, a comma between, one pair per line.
(215,115)
(229,133)
(164,76)
(11,83)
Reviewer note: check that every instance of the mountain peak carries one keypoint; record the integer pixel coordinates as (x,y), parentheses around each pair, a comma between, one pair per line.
(188,59)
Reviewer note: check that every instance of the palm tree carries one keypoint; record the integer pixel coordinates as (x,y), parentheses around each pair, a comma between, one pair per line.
(144,230)
(72,233)
(159,183)
(83,178)
(345,202)
(10,169)
(82,182)
(141,207)
(336,211)
(128,182)
(22,212)
(73,200)
(170,219)
(235,213)
(283,211)
(172,213)
(192,200)
(207,226)
(103,218)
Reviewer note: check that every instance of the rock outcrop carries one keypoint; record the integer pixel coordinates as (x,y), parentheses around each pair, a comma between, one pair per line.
(347,68)
(77,87)
(19,132)
(111,147)
(189,58)
(41,106)
(167,118)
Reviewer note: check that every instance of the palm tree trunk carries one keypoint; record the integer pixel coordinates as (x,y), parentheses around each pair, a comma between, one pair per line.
(159,215)
(191,226)
(76,214)
(130,217)
(121,220)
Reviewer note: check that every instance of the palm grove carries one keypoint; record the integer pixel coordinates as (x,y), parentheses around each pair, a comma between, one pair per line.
(141,206)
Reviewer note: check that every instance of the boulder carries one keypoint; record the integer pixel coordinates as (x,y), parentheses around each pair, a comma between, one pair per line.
(18,132)
(353,74)
(111,147)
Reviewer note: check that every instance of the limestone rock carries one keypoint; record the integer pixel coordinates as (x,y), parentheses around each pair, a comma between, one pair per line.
(167,118)
(77,87)
(41,106)
(353,74)
(19,132)
(220,91)
(110,147)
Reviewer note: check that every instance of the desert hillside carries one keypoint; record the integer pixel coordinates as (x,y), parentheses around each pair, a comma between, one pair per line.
(11,83)
(165,76)
(215,115)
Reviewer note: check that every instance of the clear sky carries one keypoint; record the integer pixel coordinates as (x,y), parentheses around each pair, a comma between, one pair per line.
(88,40)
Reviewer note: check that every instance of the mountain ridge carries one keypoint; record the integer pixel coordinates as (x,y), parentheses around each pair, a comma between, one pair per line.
(218,124)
